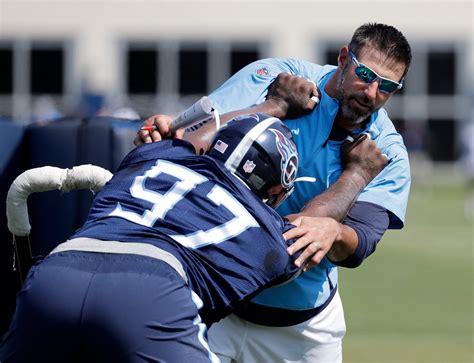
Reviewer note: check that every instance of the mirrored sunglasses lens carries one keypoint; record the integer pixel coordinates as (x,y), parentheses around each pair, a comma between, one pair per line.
(388,86)
(365,74)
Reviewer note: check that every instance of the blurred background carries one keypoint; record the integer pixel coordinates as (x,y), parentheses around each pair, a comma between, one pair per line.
(77,76)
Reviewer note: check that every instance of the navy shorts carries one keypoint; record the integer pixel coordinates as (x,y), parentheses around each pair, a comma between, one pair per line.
(94,307)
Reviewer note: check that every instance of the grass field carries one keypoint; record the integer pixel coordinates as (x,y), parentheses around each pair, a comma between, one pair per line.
(412,301)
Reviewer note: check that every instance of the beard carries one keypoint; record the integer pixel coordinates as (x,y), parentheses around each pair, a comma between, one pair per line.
(352,114)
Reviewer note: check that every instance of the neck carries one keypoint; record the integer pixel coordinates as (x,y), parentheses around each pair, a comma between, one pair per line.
(331,90)
(340,121)
(347,124)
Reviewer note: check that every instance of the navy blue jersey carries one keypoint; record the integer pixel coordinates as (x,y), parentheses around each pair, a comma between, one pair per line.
(228,241)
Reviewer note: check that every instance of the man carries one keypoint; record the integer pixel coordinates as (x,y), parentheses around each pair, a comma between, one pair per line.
(303,321)
(171,239)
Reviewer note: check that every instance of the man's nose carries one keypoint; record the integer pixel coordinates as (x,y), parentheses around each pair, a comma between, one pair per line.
(371,90)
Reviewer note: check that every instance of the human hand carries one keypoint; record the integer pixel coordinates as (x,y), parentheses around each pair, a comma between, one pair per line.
(296,96)
(316,236)
(156,128)
(362,157)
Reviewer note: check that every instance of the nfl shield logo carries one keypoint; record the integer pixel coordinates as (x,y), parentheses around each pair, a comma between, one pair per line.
(249,166)
(262,71)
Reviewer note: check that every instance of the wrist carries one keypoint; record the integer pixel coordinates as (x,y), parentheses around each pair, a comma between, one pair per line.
(339,228)
(276,107)
(344,244)
(358,180)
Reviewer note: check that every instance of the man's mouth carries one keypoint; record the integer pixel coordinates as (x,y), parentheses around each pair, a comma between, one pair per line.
(363,106)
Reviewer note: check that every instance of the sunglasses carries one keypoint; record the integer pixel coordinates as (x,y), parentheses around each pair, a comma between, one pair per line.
(368,75)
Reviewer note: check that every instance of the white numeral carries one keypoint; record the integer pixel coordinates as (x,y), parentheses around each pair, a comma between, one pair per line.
(163,203)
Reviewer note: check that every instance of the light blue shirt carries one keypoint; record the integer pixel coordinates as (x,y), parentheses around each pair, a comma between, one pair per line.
(319,158)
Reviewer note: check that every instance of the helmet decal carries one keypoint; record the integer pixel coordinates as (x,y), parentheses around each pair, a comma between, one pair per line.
(249,166)
(260,150)
(289,158)
(220,146)
(245,144)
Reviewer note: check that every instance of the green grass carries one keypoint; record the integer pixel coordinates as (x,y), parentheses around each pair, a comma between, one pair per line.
(412,301)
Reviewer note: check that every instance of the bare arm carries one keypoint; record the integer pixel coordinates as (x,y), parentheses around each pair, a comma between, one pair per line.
(362,161)
(202,137)
(335,202)
(288,97)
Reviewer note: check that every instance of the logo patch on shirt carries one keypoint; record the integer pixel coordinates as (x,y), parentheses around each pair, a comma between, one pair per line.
(221,146)
(249,166)
(262,71)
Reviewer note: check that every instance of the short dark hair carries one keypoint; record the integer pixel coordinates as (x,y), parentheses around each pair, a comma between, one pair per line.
(384,38)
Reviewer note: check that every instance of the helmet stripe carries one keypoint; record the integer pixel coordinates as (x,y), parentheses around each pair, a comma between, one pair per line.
(244,145)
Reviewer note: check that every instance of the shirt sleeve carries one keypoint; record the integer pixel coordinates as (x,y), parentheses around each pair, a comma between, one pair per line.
(391,187)
(248,87)
(369,221)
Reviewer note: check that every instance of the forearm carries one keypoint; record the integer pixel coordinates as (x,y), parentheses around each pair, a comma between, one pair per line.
(336,201)
(364,224)
(288,97)
(272,106)
(202,137)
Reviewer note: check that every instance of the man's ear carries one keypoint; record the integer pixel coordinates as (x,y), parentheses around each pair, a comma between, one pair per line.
(343,56)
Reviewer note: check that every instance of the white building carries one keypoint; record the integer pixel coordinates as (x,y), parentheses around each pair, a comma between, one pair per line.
(159,55)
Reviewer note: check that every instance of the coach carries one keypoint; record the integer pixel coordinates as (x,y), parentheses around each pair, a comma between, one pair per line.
(365,187)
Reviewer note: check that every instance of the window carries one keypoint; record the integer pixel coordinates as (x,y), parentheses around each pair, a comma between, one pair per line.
(32,71)
(142,71)
(441,72)
(240,58)
(192,72)
(47,70)
(331,56)
(6,66)
(440,139)
(412,134)
(170,75)
(181,69)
